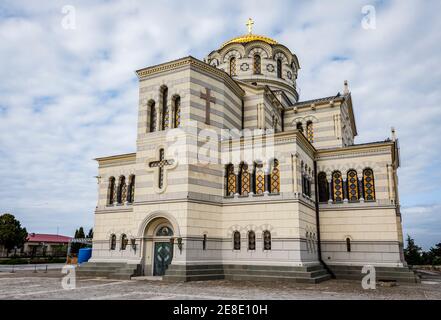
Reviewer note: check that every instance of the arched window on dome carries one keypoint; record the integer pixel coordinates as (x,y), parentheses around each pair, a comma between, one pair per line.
(352,182)
(299,127)
(257,64)
(368,185)
(153,116)
(279,68)
(177,112)
(165,111)
(337,186)
(323,187)
(251,240)
(233,66)
(310,131)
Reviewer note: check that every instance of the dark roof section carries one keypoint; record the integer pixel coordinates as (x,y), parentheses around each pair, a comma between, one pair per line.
(319,100)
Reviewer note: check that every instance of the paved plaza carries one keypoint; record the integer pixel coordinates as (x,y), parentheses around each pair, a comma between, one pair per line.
(27,284)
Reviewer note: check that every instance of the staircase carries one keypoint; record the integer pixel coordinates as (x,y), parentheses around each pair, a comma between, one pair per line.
(307,274)
(397,274)
(110,270)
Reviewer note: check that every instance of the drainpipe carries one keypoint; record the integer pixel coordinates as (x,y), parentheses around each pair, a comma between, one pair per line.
(317,219)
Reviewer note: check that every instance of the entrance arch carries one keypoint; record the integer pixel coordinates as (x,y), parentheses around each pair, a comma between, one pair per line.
(157,244)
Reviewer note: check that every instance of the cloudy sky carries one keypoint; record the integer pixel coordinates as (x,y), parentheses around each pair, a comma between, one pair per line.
(68,91)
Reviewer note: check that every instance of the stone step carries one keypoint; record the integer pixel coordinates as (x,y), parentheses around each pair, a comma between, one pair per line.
(247,277)
(278,273)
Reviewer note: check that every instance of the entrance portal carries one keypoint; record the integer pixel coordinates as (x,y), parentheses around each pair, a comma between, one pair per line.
(163,257)
(163,250)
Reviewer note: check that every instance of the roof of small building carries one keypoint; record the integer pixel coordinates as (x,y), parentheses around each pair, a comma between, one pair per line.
(42,237)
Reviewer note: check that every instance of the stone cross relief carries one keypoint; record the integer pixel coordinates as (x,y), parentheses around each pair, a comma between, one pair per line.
(160,166)
(208,99)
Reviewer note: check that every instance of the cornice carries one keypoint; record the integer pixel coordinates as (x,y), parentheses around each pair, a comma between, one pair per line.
(355,150)
(194,64)
(117,158)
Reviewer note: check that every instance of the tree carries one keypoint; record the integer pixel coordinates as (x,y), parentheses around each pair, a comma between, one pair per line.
(435,255)
(412,253)
(11,233)
(79,234)
(90,234)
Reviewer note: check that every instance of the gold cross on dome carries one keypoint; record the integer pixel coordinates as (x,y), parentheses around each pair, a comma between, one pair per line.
(250,25)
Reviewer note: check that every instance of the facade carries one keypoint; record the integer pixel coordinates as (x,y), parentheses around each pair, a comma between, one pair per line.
(234,177)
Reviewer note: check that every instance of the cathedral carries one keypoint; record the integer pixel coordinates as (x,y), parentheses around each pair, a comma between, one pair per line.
(234,177)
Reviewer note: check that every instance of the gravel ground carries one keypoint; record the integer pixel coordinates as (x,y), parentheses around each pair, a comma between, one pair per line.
(40,285)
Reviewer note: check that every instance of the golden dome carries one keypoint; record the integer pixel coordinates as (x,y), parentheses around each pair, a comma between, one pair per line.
(248,38)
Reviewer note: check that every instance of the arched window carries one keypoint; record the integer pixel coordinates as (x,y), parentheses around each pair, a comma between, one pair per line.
(131,189)
(122,190)
(251,240)
(177,112)
(233,66)
(165,111)
(267,240)
(164,232)
(310,131)
(279,68)
(231,180)
(337,186)
(308,243)
(369,185)
(257,64)
(259,178)
(204,242)
(299,127)
(153,117)
(124,242)
(112,242)
(275,177)
(236,240)
(111,190)
(245,180)
(323,187)
(352,185)
(348,245)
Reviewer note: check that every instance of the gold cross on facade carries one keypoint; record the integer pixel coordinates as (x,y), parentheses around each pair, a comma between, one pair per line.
(250,25)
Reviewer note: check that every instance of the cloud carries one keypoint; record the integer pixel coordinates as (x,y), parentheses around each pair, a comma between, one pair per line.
(68,96)
(423,224)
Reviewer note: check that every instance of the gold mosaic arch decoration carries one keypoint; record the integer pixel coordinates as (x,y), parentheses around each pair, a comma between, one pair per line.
(337,186)
(245,180)
(275,177)
(260,178)
(369,185)
(352,185)
(231,180)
